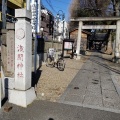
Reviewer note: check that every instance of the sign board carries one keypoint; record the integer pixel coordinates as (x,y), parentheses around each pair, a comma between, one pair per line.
(36,13)
(68,45)
(10,51)
(51,51)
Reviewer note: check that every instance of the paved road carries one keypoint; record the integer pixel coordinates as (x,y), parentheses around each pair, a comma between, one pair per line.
(94,87)
(43,110)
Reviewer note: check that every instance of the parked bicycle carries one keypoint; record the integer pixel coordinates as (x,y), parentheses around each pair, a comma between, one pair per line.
(55,60)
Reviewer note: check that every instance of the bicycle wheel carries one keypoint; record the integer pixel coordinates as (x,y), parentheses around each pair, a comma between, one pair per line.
(49,62)
(61,65)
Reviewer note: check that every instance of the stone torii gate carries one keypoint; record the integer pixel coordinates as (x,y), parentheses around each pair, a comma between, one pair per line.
(81,26)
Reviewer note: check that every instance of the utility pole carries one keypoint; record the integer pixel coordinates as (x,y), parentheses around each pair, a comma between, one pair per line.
(63,25)
(4,10)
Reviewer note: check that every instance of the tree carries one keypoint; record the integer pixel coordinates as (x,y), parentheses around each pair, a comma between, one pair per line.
(88,8)
(116,7)
(74,8)
(94,8)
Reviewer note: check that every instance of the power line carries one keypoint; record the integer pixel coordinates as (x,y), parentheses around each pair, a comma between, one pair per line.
(49,3)
(52,6)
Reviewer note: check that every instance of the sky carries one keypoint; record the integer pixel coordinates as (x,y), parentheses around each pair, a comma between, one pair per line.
(56,5)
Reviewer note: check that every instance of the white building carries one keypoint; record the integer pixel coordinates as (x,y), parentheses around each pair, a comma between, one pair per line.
(58,30)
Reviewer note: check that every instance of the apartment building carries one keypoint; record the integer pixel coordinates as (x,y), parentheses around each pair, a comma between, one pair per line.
(47,22)
(47,18)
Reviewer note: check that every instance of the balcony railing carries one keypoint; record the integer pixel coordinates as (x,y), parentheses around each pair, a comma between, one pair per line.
(17,3)
(43,24)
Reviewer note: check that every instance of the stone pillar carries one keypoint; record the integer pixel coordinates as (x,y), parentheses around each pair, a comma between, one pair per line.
(23,94)
(117,45)
(79,39)
(7,57)
(7,46)
(10,47)
(4,50)
(109,46)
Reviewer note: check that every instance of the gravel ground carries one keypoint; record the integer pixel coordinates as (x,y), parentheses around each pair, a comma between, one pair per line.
(52,82)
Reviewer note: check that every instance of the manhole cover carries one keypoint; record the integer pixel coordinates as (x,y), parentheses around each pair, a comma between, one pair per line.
(109,79)
(76,88)
(50,119)
(96,80)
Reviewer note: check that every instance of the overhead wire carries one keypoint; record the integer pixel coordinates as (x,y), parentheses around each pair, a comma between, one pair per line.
(49,2)
(50,5)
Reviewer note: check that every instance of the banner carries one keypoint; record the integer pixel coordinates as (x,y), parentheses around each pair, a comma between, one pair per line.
(36,15)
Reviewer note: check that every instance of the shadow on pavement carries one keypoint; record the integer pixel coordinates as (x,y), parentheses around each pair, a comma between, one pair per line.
(102,58)
(35,77)
(4,101)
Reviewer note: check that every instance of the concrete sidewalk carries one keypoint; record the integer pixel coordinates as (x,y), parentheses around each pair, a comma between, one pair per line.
(96,85)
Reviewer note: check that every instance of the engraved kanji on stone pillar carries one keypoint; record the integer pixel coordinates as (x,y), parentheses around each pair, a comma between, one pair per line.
(23,94)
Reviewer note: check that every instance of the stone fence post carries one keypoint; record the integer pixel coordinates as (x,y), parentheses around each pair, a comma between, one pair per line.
(7,59)
(23,94)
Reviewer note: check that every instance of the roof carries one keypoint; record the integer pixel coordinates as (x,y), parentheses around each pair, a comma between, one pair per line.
(96,19)
(68,40)
(99,37)
(84,31)
(43,7)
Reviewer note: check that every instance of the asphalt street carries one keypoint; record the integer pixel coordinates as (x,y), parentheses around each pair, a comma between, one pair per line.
(44,110)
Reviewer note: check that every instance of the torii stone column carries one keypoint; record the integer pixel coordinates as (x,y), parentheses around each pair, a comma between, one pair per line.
(79,39)
(117,45)
(23,94)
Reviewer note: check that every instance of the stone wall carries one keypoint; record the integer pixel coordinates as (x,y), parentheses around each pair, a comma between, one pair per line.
(42,49)
(44,45)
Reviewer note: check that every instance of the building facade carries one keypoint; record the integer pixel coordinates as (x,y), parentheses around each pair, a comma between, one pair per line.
(60,30)
(11,6)
(84,38)
(64,34)
(47,22)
